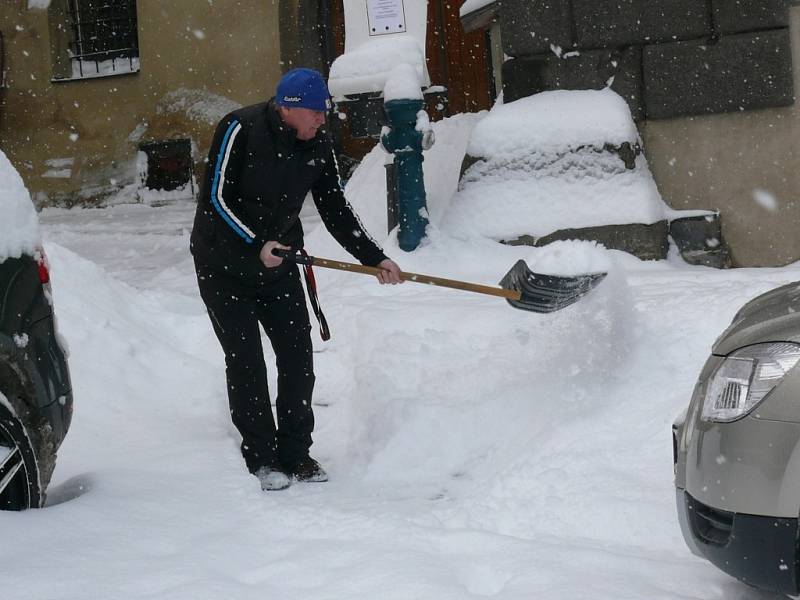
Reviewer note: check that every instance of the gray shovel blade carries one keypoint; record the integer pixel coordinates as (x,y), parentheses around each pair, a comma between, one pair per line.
(546,293)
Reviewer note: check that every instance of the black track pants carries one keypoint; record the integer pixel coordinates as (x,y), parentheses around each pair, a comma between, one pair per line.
(280,307)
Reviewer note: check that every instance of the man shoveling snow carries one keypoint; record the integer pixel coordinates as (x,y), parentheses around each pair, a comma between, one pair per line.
(263,161)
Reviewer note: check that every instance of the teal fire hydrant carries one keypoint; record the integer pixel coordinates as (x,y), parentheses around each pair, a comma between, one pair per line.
(406,143)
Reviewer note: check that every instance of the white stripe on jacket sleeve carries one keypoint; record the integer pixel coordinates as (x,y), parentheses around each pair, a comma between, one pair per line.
(217,198)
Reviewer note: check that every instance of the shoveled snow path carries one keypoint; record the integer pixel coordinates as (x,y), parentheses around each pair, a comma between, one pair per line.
(474,450)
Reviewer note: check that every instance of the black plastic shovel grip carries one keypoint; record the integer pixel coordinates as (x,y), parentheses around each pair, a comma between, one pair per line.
(300,259)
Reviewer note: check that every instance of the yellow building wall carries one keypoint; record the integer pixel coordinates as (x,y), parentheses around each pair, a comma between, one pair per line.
(77,141)
(745,164)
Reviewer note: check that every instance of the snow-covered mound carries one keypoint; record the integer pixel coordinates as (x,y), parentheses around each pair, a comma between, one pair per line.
(552,123)
(19,226)
(548,162)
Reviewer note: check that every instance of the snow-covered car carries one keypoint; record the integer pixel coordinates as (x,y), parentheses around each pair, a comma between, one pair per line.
(35,388)
(737,447)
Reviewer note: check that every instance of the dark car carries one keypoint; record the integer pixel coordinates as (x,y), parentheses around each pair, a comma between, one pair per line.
(35,388)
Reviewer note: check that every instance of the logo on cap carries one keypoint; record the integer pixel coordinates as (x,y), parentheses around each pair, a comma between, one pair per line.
(292,99)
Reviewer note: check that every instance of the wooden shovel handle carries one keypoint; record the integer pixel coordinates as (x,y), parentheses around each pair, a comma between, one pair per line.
(417,278)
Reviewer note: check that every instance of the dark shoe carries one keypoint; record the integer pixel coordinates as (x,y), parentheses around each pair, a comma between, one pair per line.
(308,470)
(272,479)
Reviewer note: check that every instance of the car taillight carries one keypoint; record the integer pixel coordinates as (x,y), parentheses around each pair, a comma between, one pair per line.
(41,263)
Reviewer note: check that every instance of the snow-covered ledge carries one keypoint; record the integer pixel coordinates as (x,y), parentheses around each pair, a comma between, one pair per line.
(92,69)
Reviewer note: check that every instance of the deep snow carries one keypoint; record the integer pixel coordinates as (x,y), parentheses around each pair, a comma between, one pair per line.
(475,450)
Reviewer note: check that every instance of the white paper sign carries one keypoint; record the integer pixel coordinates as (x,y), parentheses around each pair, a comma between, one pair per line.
(386,16)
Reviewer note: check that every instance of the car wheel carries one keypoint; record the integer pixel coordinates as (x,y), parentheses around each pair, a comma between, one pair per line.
(19,472)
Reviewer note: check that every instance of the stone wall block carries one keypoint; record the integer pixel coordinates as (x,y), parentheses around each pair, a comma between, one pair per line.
(616,23)
(524,76)
(739,72)
(647,242)
(532,26)
(594,69)
(734,16)
(700,242)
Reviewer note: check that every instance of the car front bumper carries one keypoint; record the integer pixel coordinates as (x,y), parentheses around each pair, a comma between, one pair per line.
(758,550)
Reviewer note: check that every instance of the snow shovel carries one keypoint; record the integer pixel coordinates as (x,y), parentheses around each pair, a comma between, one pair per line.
(523,288)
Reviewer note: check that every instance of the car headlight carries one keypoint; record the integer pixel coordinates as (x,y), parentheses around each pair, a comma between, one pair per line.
(745,377)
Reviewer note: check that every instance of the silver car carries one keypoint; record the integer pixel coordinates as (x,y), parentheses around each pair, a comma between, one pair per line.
(737,447)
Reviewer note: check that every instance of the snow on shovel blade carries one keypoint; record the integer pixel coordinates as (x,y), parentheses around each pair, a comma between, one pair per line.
(546,293)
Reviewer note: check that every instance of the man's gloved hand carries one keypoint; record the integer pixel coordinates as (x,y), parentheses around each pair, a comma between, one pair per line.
(390,272)
(268,258)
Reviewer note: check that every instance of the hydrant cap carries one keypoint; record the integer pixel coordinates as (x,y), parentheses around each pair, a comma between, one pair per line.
(303,88)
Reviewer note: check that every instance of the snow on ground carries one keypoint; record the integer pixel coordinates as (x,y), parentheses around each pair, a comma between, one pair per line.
(475,450)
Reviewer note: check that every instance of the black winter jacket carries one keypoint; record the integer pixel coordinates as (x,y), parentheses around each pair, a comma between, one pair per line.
(256,179)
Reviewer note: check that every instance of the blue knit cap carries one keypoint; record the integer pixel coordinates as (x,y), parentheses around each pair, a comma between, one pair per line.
(303,88)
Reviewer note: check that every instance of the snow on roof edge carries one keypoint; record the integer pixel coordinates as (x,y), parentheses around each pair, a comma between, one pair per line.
(471,6)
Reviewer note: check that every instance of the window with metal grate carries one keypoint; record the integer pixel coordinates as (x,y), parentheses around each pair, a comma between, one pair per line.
(104,38)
